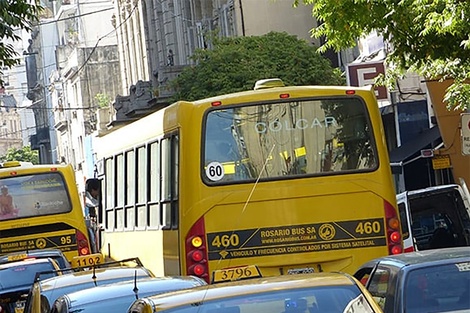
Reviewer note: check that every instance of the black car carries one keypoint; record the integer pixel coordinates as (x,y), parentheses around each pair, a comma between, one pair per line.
(435,280)
(16,279)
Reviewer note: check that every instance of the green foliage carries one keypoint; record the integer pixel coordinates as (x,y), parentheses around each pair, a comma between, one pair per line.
(235,64)
(24,154)
(103,100)
(15,15)
(430,37)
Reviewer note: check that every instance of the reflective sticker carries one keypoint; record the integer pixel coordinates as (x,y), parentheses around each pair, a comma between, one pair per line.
(215,171)
(66,242)
(463,267)
(303,238)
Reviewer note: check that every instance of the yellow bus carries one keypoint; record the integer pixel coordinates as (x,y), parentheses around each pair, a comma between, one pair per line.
(275,180)
(40,208)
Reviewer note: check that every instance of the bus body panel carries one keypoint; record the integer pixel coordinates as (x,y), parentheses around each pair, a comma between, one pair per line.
(284,227)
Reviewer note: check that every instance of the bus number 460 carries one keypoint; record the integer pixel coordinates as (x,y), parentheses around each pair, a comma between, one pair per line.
(226,241)
(368,228)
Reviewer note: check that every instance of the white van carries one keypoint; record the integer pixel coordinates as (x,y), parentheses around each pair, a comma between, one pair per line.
(435,217)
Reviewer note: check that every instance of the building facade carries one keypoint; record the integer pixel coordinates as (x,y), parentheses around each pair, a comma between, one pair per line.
(16,119)
(87,73)
(10,124)
(156,40)
(95,65)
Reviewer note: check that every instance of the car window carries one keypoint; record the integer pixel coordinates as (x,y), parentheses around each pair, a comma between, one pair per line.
(45,307)
(438,287)
(378,285)
(22,274)
(61,261)
(60,306)
(306,300)
(363,274)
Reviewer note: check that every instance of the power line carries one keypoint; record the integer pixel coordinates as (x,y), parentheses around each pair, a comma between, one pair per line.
(96,45)
(73,17)
(52,109)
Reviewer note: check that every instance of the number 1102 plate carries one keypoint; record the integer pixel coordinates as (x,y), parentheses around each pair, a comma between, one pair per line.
(87,260)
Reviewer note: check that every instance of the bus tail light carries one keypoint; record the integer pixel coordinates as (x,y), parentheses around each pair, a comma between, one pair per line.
(197,256)
(394,240)
(198,269)
(82,243)
(196,251)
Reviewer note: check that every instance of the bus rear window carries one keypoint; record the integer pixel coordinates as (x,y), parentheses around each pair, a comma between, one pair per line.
(286,139)
(33,195)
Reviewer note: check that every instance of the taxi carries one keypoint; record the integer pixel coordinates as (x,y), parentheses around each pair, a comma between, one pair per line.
(44,292)
(118,296)
(297,293)
(54,254)
(16,278)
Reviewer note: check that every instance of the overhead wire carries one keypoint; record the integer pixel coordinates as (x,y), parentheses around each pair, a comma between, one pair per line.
(82,66)
(96,45)
(73,17)
(52,110)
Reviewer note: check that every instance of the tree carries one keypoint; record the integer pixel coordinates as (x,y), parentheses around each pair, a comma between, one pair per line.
(24,154)
(428,37)
(14,15)
(235,64)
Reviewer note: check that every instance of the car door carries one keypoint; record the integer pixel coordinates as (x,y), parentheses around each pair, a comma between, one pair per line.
(465,212)
(406,222)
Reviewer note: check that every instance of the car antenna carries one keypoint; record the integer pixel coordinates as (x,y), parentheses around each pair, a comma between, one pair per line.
(94,276)
(136,290)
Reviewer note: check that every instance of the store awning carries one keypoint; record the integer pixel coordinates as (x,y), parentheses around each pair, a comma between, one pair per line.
(407,150)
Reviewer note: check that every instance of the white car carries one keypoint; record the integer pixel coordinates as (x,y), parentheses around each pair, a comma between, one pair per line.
(435,217)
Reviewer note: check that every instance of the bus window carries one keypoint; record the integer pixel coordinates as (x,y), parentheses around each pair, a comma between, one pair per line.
(309,137)
(49,190)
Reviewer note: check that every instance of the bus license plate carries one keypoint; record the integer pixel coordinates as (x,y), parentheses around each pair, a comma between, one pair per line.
(235,273)
(87,260)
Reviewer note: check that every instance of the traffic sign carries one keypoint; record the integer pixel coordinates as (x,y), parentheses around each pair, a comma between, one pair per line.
(465,126)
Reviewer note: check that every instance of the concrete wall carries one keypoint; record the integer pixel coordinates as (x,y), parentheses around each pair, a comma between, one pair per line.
(258,17)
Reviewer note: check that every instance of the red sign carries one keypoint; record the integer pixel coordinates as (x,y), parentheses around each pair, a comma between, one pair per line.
(363,74)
